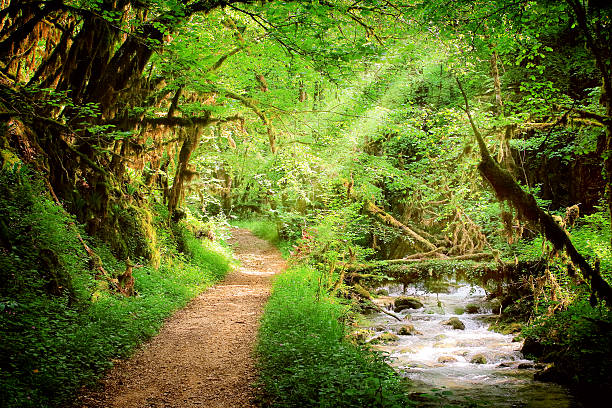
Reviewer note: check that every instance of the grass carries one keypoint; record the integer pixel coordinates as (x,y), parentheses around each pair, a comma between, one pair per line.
(304,359)
(54,347)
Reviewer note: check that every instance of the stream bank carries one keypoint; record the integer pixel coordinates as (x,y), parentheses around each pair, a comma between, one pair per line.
(443,346)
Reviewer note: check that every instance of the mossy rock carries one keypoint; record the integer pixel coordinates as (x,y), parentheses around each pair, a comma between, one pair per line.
(382,292)
(506,327)
(360,336)
(472,308)
(447,359)
(407,302)
(408,330)
(455,323)
(385,338)
(495,305)
(479,359)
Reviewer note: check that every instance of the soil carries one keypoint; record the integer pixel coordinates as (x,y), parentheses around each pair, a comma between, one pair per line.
(203,355)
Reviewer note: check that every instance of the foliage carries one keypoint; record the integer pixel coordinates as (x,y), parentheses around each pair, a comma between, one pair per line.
(60,327)
(303,358)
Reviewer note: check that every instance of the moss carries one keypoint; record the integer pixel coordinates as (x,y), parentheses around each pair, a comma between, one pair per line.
(472,308)
(131,234)
(479,359)
(8,159)
(385,338)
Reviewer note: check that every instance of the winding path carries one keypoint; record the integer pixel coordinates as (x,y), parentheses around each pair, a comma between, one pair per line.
(202,357)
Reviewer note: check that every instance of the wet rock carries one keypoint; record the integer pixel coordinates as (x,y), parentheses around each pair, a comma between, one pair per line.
(408,330)
(440,337)
(505,364)
(455,323)
(539,366)
(360,336)
(525,366)
(385,338)
(407,302)
(478,359)
(447,359)
(379,328)
(552,374)
(532,347)
(382,292)
(472,308)
(408,317)
(471,343)
(442,344)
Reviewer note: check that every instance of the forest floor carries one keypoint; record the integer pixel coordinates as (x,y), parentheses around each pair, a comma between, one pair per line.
(203,355)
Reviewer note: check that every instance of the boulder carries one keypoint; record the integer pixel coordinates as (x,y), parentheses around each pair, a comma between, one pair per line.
(385,338)
(382,292)
(447,359)
(407,302)
(532,347)
(472,308)
(478,359)
(408,330)
(455,323)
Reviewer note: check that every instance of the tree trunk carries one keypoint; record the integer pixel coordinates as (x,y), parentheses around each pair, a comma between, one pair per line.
(189,145)
(507,189)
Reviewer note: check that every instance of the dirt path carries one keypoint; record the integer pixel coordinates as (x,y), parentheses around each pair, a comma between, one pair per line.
(202,356)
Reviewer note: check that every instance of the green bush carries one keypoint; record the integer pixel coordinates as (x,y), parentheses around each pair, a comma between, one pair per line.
(303,358)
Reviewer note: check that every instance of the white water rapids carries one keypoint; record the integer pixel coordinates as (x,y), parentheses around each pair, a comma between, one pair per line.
(440,361)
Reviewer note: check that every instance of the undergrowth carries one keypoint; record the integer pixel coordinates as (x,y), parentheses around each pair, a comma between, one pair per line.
(60,327)
(303,358)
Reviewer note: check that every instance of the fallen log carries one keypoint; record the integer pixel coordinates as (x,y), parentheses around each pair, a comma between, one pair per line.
(389,220)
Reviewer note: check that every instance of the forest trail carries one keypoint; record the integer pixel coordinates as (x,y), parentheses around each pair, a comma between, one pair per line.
(202,357)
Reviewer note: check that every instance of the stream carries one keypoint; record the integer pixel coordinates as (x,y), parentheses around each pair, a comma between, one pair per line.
(449,367)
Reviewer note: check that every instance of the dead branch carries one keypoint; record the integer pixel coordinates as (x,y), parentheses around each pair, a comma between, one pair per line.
(388,219)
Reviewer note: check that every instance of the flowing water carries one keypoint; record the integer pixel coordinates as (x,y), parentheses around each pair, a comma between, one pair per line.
(473,367)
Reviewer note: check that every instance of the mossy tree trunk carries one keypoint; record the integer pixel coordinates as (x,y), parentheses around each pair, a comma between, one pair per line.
(507,189)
